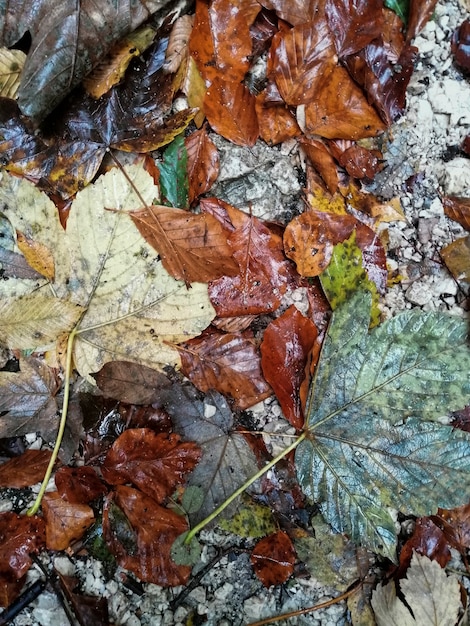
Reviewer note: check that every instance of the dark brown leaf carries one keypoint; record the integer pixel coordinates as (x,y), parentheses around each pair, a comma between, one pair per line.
(89,610)
(360,162)
(461,419)
(353,23)
(455,524)
(203,163)
(273,559)
(456,256)
(287,342)
(461,45)
(79,485)
(25,470)
(155,463)
(20,536)
(227,362)
(427,539)
(65,522)
(295,11)
(130,382)
(156,529)
(419,14)
(458,209)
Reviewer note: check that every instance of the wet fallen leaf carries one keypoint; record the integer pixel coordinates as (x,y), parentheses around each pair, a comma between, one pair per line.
(251,520)
(38,256)
(458,209)
(456,256)
(24,470)
(173,178)
(79,485)
(323,162)
(360,162)
(227,362)
(295,11)
(130,382)
(455,525)
(273,559)
(154,462)
(203,163)
(354,24)
(21,537)
(460,45)
(276,123)
(156,528)
(178,48)
(428,540)
(65,522)
(89,610)
(420,13)
(286,344)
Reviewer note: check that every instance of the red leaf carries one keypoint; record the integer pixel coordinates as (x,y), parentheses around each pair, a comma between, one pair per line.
(263,269)
(65,522)
(301,59)
(156,529)
(230,110)
(155,463)
(227,362)
(273,559)
(427,539)
(461,419)
(79,485)
(203,163)
(20,536)
(89,610)
(286,345)
(25,470)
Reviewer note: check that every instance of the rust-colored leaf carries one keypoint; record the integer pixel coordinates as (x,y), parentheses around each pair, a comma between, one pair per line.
(354,23)
(273,559)
(456,256)
(323,162)
(193,247)
(286,345)
(25,470)
(203,163)
(130,382)
(156,529)
(154,462)
(461,45)
(340,110)
(230,110)
(65,522)
(79,485)
(301,59)
(276,122)
(89,610)
(261,32)
(310,237)
(427,539)
(360,162)
(227,362)
(295,11)
(263,270)
(455,524)
(20,536)
(420,13)
(38,256)
(461,419)
(458,209)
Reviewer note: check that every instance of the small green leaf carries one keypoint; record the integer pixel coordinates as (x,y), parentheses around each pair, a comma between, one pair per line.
(184,553)
(173,174)
(400,7)
(345,275)
(251,520)
(192,499)
(367,446)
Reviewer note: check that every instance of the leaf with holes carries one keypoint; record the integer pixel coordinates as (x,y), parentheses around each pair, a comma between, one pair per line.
(373,435)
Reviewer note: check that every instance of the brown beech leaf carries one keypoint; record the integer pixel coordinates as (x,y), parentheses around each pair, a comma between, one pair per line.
(273,559)
(321,159)
(360,162)
(295,11)
(456,256)
(461,419)
(276,123)
(263,270)
(455,524)
(192,247)
(458,209)
(427,539)
(384,82)
(354,23)
(89,610)
(420,13)
(310,237)
(65,522)
(154,462)
(21,536)
(230,110)
(203,163)
(79,485)
(156,529)
(340,110)
(25,470)
(227,362)
(130,382)
(301,59)
(286,345)
(461,45)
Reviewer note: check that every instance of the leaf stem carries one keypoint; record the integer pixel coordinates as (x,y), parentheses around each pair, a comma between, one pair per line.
(63,419)
(194,531)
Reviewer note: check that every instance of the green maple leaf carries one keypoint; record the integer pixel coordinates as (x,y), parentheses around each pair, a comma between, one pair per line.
(374,441)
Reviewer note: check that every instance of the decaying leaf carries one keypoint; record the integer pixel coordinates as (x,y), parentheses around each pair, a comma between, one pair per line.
(11,65)
(130,382)
(65,522)
(365,421)
(456,256)
(458,209)
(203,163)
(24,470)
(432,596)
(273,559)
(21,537)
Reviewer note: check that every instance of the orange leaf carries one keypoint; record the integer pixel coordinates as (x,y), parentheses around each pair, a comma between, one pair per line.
(155,463)
(323,162)
(111,69)
(192,247)
(340,110)
(273,559)
(230,110)
(276,122)
(456,256)
(360,162)
(287,342)
(25,470)
(458,209)
(79,485)
(203,163)
(294,11)
(65,522)
(21,536)
(227,362)
(38,256)
(301,59)
(156,529)
(263,270)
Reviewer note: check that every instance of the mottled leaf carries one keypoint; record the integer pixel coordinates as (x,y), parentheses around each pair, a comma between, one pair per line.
(273,559)
(251,520)
(456,256)
(11,65)
(365,421)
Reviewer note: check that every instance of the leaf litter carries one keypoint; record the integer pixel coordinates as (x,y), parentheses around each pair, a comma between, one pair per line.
(91,284)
